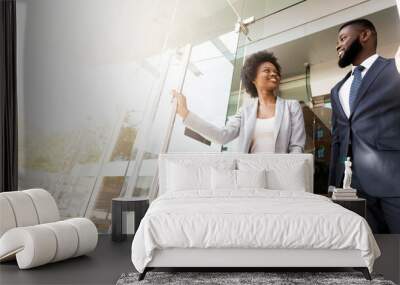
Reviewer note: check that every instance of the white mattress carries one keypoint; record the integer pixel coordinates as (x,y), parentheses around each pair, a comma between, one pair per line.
(253,218)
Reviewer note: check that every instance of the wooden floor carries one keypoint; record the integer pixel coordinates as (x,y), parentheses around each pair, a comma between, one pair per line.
(111,259)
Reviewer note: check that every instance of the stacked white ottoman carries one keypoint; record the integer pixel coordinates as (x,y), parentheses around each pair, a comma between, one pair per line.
(31,230)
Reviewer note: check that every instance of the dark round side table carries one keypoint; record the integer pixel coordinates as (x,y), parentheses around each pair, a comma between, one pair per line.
(119,205)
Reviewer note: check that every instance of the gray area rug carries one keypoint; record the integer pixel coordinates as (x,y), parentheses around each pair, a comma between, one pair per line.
(225,278)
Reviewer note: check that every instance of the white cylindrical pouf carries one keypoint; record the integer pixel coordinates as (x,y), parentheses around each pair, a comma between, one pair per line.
(23,207)
(34,244)
(45,205)
(7,218)
(87,234)
(67,240)
(37,245)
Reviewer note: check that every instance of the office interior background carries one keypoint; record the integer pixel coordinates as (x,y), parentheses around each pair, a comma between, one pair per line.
(95,78)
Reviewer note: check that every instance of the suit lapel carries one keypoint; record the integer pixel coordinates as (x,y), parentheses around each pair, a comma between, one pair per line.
(279,108)
(335,94)
(369,77)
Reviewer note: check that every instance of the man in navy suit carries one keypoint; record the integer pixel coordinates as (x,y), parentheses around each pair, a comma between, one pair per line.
(366,125)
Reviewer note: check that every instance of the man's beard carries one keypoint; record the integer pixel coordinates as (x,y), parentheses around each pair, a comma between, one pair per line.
(350,54)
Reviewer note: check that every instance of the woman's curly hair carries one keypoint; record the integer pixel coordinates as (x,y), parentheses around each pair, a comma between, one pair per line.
(249,70)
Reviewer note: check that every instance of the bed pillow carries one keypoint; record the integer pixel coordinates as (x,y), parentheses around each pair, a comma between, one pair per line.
(185,175)
(225,179)
(251,178)
(293,179)
(182,177)
(281,174)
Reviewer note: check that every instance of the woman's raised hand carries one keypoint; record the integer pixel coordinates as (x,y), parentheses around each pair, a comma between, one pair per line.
(397,58)
(181,108)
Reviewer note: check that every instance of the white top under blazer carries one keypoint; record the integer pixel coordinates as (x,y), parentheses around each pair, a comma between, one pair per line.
(263,138)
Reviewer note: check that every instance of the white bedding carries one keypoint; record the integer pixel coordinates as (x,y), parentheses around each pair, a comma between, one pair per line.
(251,218)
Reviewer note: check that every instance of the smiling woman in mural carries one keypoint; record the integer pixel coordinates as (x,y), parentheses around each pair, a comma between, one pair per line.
(268,124)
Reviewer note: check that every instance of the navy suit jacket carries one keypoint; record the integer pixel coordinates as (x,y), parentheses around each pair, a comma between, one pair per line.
(374,130)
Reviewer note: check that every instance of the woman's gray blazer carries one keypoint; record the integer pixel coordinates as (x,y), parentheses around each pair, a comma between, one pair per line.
(289,133)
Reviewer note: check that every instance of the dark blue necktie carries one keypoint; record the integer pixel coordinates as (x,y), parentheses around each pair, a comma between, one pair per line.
(355,85)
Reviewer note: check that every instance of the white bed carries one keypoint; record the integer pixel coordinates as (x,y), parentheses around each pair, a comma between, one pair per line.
(200,219)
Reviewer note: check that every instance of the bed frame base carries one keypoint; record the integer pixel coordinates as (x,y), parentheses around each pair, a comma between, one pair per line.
(247,260)
(363,270)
